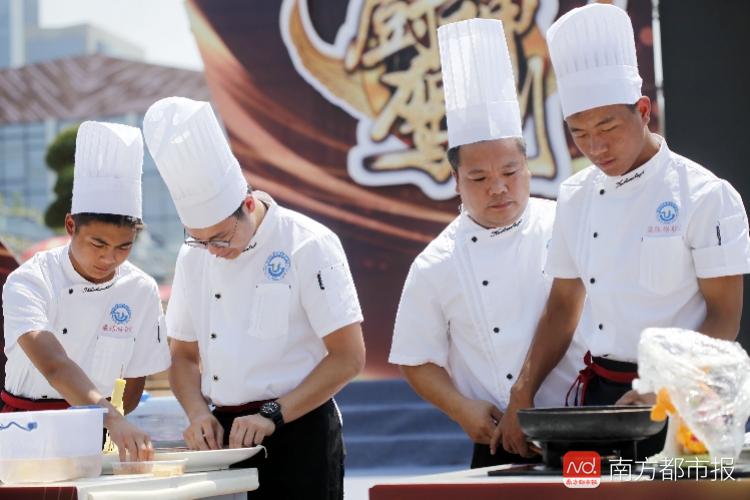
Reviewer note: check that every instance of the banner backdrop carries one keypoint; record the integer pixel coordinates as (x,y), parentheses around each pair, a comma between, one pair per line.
(335,107)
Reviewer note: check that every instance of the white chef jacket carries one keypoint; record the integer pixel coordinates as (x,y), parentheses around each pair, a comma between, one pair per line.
(471,304)
(640,241)
(259,319)
(110,329)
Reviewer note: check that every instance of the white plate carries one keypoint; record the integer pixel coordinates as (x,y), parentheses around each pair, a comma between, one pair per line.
(197,461)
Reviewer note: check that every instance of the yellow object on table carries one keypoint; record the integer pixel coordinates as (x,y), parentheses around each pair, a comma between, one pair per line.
(118,391)
(662,407)
(685,438)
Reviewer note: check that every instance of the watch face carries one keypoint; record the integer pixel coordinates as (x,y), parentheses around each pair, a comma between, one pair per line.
(269,408)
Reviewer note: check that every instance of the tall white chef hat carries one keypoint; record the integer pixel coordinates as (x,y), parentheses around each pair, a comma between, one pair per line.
(194,159)
(593,53)
(107,172)
(480,90)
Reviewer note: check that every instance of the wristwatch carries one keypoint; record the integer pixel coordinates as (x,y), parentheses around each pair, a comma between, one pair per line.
(272,411)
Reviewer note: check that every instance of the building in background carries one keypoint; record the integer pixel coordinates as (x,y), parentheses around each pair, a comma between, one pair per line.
(23,41)
(37,101)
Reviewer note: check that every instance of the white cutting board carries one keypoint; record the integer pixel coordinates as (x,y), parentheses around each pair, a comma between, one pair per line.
(197,461)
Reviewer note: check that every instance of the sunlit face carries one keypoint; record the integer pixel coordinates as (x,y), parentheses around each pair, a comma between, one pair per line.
(613,137)
(98,248)
(237,232)
(493,180)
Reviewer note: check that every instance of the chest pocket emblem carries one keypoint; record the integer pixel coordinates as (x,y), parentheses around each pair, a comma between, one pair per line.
(121,314)
(668,212)
(277,265)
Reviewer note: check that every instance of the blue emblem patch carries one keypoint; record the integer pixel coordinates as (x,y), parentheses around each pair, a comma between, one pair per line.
(667,212)
(277,265)
(120,314)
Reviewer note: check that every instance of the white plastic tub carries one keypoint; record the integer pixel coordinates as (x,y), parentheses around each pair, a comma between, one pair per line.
(48,446)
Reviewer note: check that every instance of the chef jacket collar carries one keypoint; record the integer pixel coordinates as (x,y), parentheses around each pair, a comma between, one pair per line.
(635,179)
(77,280)
(468,227)
(267,224)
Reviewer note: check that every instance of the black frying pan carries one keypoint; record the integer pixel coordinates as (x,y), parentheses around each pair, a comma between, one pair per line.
(588,423)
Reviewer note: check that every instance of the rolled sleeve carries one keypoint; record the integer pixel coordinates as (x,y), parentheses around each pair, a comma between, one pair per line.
(560,262)
(327,290)
(718,233)
(26,304)
(179,320)
(420,334)
(151,352)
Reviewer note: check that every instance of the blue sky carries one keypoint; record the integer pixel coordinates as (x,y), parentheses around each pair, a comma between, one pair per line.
(160,27)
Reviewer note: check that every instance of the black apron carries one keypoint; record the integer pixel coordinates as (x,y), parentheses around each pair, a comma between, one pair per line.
(305,457)
(605,386)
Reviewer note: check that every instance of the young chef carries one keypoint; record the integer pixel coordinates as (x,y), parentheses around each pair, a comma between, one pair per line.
(473,296)
(81,316)
(264,316)
(652,238)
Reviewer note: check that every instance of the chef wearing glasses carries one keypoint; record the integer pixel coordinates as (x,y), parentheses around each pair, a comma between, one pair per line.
(264,315)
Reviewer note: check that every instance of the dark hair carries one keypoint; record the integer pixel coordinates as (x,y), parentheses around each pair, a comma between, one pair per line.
(453,153)
(84,218)
(239,214)
(453,157)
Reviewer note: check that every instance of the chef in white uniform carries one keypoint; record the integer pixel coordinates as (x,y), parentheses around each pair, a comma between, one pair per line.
(473,297)
(650,237)
(78,317)
(264,316)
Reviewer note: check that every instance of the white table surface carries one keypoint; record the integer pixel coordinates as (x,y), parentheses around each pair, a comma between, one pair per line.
(148,487)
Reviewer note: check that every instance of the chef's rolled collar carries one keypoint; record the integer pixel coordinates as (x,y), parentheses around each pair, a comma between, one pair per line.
(470,227)
(637,177)
(77,280)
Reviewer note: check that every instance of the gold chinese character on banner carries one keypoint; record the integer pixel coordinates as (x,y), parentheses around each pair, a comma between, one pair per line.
(388,74)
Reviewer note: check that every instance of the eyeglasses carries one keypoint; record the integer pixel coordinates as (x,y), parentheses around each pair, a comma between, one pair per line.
(192,242)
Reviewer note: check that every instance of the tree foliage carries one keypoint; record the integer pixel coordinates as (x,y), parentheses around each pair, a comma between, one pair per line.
(60,158)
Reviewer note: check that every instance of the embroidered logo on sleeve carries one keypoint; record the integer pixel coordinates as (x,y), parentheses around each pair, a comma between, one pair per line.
(277,265)
(120,314)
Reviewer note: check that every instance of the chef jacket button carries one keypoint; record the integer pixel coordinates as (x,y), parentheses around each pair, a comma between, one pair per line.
(65,330)
(596,234)
(496,330)
(601,327)
(485,282)
(216,378)
(70,290)
(474,239)
(601,191)
(217,295)
(213,335)
(592,280)
(509,376)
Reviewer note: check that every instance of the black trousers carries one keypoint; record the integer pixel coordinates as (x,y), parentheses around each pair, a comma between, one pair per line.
(482,457)
(601,391)
(305,457)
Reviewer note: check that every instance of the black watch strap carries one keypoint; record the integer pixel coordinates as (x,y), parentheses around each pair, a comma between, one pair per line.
(272,411)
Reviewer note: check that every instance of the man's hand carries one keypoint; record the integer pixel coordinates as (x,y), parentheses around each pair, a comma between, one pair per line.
(250,431)
(129,438)
(478,419)
(633,397)
(509,432)
(204,433)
